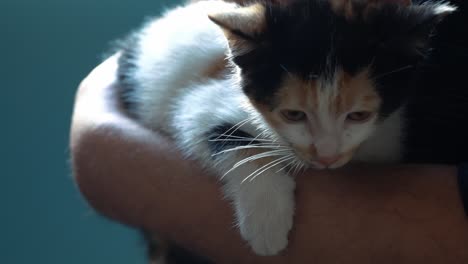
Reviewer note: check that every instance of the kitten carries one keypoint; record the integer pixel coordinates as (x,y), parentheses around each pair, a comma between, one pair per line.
(258,92)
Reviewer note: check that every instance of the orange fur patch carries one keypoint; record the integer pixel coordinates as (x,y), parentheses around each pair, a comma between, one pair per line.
(217,69)
(353,93)
(356,91)
(249,20)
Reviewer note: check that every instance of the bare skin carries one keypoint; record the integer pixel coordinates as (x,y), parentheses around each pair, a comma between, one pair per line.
(402,214)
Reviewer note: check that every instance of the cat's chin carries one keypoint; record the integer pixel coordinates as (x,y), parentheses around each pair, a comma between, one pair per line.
(323,167)
(318,166)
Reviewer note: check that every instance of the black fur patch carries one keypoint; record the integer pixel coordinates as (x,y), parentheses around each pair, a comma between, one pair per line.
(129,49)
(437,116)
(306,38)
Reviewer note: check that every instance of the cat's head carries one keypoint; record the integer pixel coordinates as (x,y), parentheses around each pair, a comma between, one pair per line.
(324,76)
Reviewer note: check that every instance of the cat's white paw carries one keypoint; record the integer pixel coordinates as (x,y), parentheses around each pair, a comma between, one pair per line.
(267,232)
(264,207)
(266,222)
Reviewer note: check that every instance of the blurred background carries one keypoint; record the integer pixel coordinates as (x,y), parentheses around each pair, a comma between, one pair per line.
(46,48)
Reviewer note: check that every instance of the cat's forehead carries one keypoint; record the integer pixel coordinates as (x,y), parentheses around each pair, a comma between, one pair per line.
(307,46)
(338,94)
(312,40)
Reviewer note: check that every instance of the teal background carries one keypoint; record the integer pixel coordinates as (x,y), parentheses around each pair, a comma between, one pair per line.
(46,48)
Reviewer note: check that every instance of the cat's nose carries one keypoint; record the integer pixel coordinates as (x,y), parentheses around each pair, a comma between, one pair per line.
(327,161)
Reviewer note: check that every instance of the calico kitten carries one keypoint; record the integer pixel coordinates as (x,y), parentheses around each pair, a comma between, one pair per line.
(260,91)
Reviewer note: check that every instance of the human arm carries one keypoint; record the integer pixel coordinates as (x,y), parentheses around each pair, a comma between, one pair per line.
(406,214)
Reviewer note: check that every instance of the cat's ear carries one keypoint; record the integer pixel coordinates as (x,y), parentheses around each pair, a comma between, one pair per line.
(409,28)
(241,25)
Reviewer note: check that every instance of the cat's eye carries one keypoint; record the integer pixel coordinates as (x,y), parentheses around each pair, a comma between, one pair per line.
(293,115)
(360,117)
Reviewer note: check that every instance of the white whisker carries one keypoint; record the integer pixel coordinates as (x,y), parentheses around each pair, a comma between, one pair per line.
(255,157)
(262,155)
(285,166)
(298,167)
(235,127)
(232,136)
(286,70)
(266,167)
(394,71)
(239,139)
(252,146)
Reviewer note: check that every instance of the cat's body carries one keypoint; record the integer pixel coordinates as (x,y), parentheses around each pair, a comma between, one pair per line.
(251,98)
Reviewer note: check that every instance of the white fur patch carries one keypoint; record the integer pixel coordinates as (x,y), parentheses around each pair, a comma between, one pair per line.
(444,9)
(264,206)
(173,57)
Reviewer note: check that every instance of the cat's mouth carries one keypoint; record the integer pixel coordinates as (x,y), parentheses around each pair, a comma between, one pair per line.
(311,160)
(326,163)
(335,165)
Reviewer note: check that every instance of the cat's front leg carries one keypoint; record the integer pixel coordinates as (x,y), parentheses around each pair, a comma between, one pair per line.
(264,205)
